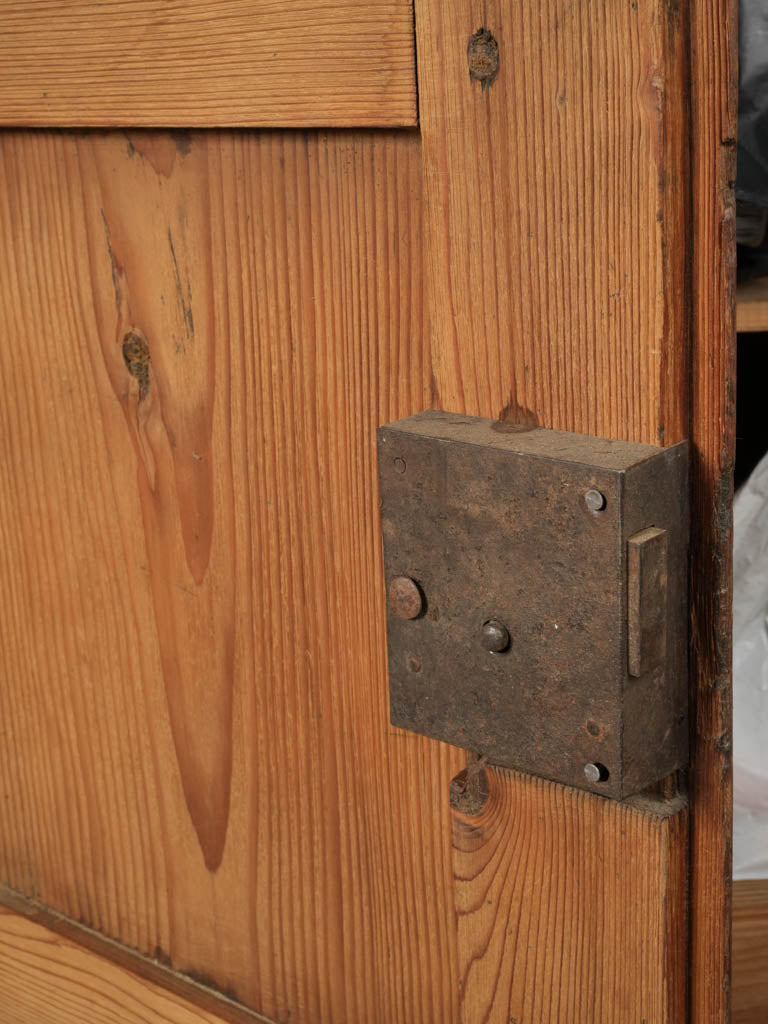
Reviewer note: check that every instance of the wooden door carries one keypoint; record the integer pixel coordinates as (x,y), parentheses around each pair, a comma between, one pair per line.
(231,246)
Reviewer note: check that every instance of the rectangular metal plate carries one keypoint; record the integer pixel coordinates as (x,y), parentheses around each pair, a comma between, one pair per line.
(647,561)
(492,525)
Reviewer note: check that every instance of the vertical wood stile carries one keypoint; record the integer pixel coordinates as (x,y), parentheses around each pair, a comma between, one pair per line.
(714,96)
(559,291)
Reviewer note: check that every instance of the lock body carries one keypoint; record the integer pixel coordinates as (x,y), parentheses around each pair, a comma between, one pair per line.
(536,608)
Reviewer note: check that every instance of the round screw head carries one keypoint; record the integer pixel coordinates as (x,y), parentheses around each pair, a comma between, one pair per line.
(595,500)
(595,772)
(405,598)
(496,636)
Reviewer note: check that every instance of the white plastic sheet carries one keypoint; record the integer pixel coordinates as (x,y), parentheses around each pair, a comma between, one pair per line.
(750,670)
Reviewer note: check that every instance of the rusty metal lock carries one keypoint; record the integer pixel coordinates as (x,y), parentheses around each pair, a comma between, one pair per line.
(537,611)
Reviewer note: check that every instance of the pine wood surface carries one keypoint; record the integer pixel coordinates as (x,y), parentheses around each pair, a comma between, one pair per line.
(207,63)
(555,201)
(48,979)
(197,759)
(750,952)
(714,103)
(570,907)
(555,206)
(234,798)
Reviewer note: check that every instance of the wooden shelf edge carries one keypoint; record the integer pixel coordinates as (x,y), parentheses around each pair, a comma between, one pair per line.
(750,952)
(752,306)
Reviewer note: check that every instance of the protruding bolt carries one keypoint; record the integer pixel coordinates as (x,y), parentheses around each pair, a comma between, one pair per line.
(595,500)
(596,772)
(405,598)
(496,636)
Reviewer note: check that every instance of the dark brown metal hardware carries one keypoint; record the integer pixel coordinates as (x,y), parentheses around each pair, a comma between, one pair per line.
(647,571)
(537,597)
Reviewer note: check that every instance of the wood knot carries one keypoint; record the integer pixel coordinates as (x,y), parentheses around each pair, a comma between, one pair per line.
(515,419)
(469,790)
(136,358)
(483,57)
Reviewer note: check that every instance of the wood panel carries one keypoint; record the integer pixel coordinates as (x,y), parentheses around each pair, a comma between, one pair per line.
(556,172)
(714,104)
(750,952)
(555,203)
(202,334)
(47,979)
(585,891)
(207,63)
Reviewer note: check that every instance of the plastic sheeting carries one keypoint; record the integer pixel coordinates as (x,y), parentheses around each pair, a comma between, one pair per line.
(752,175)
(750,685)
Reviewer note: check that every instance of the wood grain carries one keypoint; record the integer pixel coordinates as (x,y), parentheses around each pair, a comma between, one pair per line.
(750,952)
(196,757)
(555,206)
(714,103)
(47,979)
(201,333)
(562,901)
(207,63)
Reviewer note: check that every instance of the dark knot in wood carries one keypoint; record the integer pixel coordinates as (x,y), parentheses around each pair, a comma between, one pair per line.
(136,358)
(483,57)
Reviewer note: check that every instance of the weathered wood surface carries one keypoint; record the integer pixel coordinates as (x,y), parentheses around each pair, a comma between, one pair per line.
(714,98)
(202,334)
(207,63)
(555,202)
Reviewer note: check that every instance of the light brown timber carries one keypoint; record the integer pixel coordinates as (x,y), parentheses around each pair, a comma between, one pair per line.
(207,63)
(556,200)
(568,906)
(197,759)
(557,292)
(46,978)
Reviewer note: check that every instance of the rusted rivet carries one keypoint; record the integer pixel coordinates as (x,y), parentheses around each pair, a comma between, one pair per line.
(414,663)
(399,465)
(483,57)
(495,636)
(595,500)
(596,772)
(405,598)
